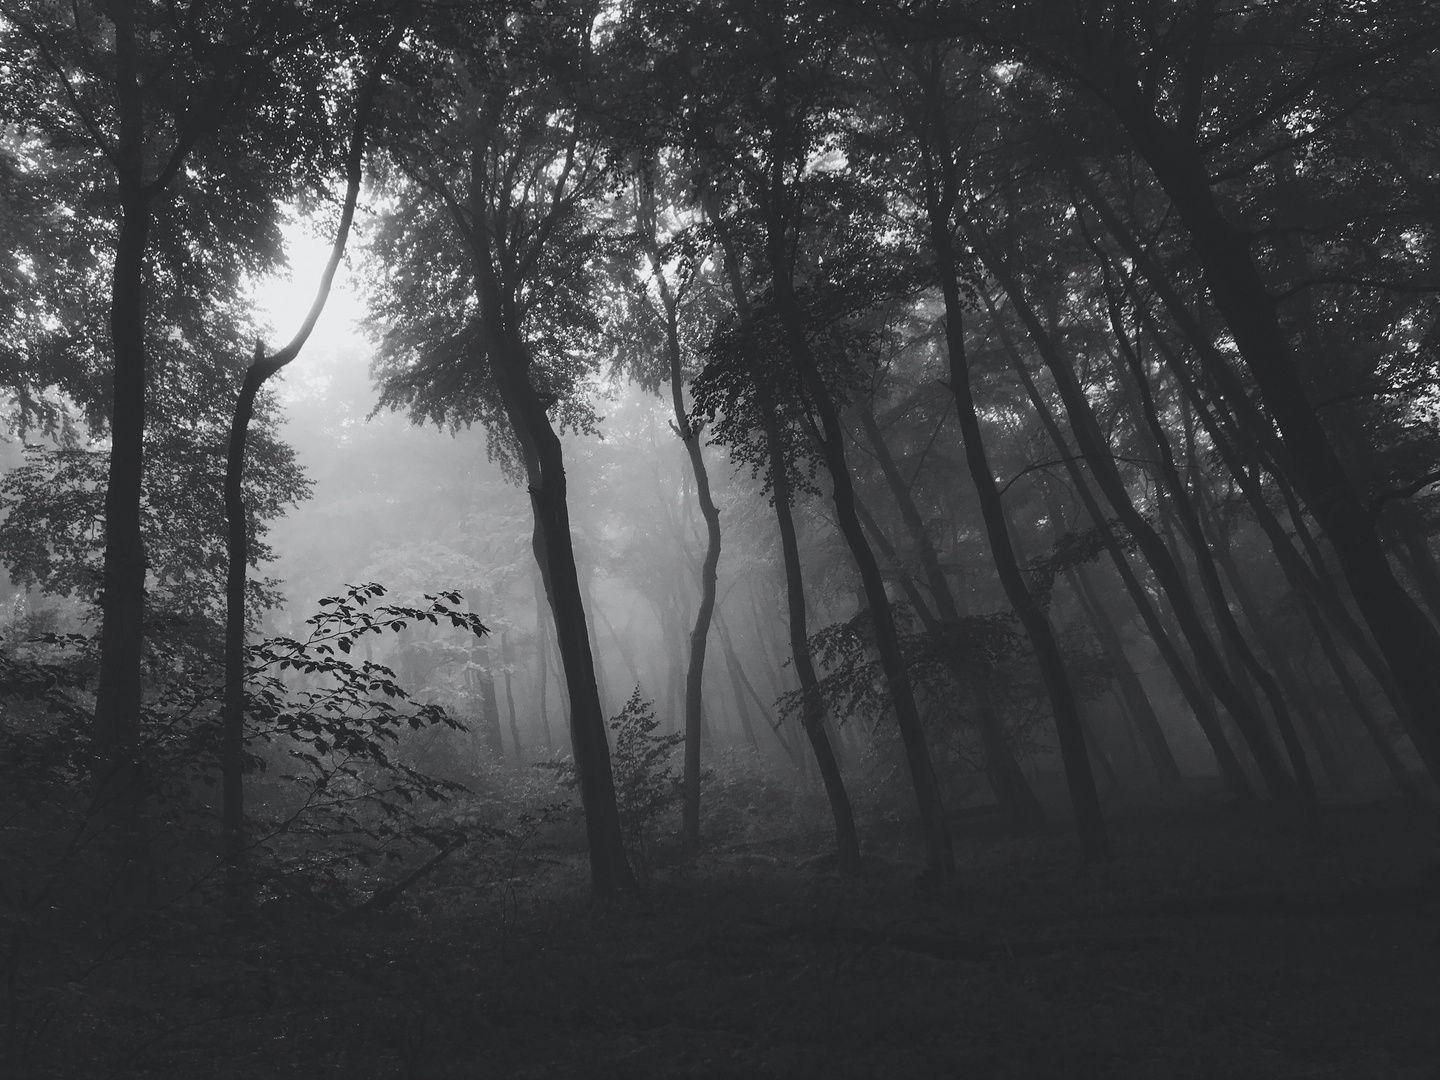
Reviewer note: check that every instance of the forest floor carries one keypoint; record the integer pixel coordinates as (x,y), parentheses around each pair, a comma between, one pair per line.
(1212,946)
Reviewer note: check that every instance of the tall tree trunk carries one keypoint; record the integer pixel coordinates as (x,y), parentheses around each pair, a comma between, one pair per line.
(1200,702)
(1094,447)
(1012,789)
(847,842)
(262,367)
(690,435)
(509,362)
(941,187)
(940,856)
(695,672)
(120,787)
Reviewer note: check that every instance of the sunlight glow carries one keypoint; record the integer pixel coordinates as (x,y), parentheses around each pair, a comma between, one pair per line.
(282,301)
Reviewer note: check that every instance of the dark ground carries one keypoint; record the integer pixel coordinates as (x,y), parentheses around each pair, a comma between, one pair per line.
(1213,946)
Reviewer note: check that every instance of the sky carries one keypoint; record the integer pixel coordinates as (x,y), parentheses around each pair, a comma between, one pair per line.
(284,300)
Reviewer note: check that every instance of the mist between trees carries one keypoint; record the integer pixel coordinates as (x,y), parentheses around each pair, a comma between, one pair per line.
(859,423)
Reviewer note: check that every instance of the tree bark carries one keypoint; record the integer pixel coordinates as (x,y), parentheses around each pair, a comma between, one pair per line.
(120,787)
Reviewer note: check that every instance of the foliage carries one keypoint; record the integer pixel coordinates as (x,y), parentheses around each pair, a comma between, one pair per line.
(327,737)
(52,534)
(646,784)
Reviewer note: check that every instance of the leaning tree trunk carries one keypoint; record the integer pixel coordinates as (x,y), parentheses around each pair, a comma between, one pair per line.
(1012,790)
(1210,577)
(1408,640)
(940,856)
(510,363)
(1093,446)
(941,186)
(1226,760)
(1252,426)
(1311,588)
(1137,701)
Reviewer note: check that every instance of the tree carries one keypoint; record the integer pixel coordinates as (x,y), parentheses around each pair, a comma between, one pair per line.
(689,430)
(941,193)
(496,165)
(156,114)
(262,368)
(1211,102)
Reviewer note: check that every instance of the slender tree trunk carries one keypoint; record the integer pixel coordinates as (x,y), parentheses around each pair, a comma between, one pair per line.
(510,699)
(694,674)
(941,187)
(620,646)
(509,362)
(1093,445)
(542,655)
(1200,703)
(1137,701)
(482,686)
(847,841)
(940,856)
(732,669)
(1378,737)
(120,786)
(261,368)
(690,436)
(1007,780)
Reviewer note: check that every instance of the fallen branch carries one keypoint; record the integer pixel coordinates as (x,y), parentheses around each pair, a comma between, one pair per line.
(388,895)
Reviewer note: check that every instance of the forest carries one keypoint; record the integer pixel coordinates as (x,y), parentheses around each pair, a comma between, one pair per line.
(850,538)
